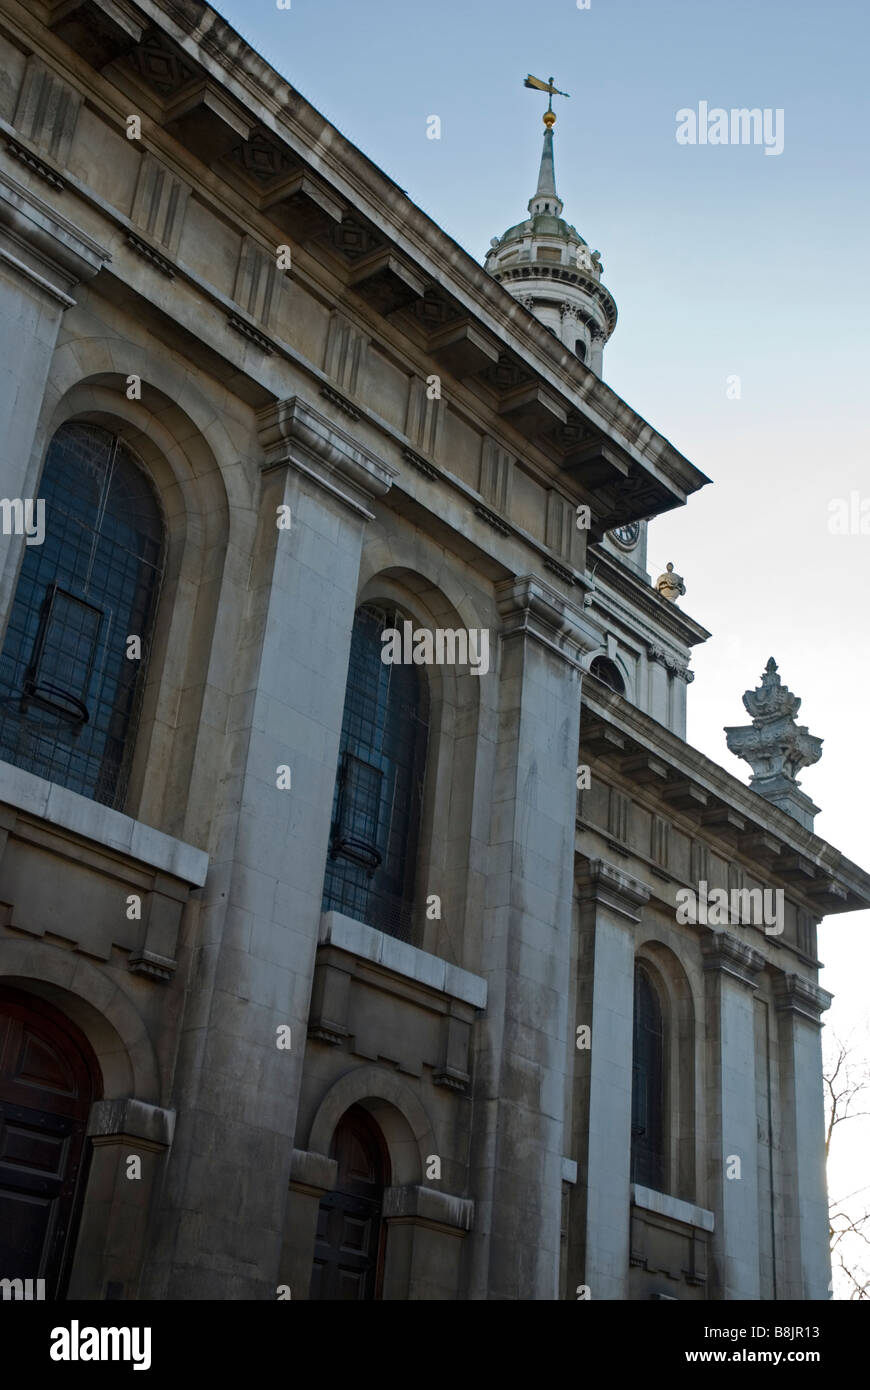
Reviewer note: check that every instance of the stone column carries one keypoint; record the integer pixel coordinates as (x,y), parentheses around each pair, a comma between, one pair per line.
(236,1091)
(730,969)
(570,328)
(659,687)
(799,1004)
(522,1041)
(600,1226)
(596,356)
(683,679)
(43,257)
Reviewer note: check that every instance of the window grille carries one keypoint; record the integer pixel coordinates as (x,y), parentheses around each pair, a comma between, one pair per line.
(378,800)
(69,694)
(647,1090)
(355,835)
(64,654)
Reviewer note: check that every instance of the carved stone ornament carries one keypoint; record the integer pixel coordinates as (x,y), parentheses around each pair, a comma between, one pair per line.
(775,747)
(671,663)
(774,744)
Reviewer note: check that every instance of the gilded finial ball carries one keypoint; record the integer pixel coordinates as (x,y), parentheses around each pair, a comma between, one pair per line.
(549,119)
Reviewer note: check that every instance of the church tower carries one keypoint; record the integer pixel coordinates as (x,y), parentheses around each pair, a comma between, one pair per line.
(545,263)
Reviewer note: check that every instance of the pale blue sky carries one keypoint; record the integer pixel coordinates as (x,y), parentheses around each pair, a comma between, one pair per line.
(722,260)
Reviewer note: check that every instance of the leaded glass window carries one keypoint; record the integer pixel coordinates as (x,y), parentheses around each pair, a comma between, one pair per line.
(607,671)
(647,1089)
(69,692)
(378,799)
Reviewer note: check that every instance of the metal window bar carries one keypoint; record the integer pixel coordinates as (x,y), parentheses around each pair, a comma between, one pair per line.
(608,673)
(109,545)
(355,834)
(64,653)
(384,729)
(647,1128)
(140,684)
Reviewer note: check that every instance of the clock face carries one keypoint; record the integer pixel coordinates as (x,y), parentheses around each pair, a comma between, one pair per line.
(627,536)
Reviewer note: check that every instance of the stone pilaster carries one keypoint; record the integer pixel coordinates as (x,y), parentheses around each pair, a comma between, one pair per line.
(43,256)
(237,1090)
(596,356)
(129,1142)
(312,1177)
(610,903)
(426,1231)
(522,1040)
(731,968)
(799,1004)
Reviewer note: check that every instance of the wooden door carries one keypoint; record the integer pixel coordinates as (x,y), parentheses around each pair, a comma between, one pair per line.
(348,1248)
(48,1078)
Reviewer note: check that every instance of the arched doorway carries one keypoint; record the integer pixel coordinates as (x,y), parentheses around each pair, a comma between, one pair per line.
(48,1079)
(348,1251)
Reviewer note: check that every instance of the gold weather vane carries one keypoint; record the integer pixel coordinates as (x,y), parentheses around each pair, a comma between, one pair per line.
(539,86)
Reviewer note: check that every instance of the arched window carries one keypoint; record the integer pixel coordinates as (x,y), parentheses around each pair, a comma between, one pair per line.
(580,349)
(378,798)
(607,671)
(648,1085)
(69,691)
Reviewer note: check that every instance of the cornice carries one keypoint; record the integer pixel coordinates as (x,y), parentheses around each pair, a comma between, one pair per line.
(223,55)
(603,884)
(176,269)
(662,657)
(730,956)
(468,407)
(592,837)
(677,624)
(693,769)
(801,997)
(553,277)
(43,245)
(293,433)
(530,607)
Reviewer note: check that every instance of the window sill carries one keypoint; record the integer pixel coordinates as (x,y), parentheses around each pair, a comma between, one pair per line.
(366,943)
(79,814)
(672,1207)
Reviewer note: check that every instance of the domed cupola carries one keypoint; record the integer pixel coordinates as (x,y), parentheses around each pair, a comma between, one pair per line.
(545,263)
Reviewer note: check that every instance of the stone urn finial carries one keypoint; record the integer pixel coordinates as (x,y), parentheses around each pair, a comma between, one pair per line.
(775,747)
(771,699)
(670,585)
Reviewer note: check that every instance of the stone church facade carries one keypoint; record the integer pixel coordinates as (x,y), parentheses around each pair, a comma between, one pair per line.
(321,976)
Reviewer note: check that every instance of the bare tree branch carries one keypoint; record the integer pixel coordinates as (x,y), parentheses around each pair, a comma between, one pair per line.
(847,1085)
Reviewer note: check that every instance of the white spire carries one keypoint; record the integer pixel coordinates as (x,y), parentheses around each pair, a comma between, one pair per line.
(545,264)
